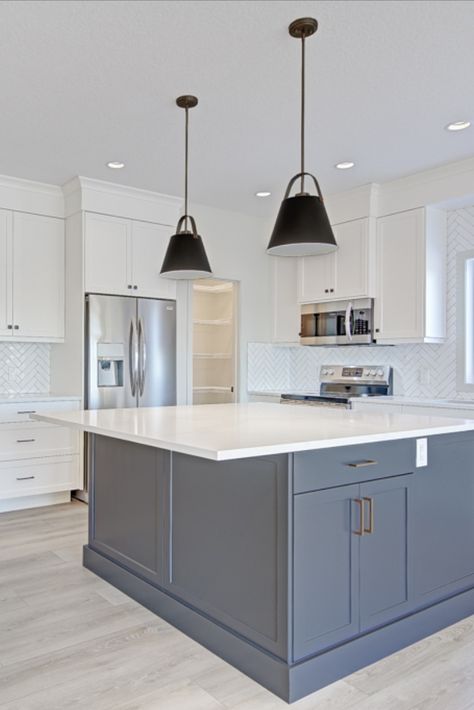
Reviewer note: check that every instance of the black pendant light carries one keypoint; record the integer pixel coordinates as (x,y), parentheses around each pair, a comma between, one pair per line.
(186,257)
(302,226)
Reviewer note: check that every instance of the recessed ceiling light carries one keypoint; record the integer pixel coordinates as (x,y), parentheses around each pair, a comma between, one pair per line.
(263,193)
(115,165)
(458,125)
(345,165)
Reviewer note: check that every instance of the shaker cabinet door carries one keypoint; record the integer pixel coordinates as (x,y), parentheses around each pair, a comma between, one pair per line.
(149,244)
(385,551)
(38,276)
(107,255)
(352,259)
(326,568)
(6,314)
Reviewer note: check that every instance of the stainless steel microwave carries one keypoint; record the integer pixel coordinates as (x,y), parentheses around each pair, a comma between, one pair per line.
(337,323)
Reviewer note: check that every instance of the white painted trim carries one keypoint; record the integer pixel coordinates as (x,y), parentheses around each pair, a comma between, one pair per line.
(352,204)
(461,344)
(108,198)
(35,501)
(30,196)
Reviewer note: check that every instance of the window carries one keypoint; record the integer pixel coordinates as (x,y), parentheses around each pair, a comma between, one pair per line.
(465,322)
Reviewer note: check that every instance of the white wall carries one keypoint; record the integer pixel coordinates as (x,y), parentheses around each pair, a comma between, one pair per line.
(276,368)
(235,245)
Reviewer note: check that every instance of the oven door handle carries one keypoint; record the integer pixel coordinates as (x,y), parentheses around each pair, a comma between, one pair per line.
(349,308)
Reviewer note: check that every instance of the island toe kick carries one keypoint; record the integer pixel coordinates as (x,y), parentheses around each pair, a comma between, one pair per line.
(297,569)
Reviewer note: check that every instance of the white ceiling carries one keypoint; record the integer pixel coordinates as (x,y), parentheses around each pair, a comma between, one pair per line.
(83,83)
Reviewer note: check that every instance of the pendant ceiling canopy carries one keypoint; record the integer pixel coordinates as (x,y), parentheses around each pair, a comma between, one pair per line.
(186,257)
(302,227)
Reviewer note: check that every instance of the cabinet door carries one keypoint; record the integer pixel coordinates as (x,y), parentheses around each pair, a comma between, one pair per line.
(316,278)
(6,312)
(149,244)
(326,574)
(443,525)
(385,558)
(38,276)
(107,255)
(399,307)
(352,259)
(286,311)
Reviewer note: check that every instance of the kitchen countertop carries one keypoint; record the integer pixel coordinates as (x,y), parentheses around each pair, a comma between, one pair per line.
(6,397)
(232,431)
(417,402)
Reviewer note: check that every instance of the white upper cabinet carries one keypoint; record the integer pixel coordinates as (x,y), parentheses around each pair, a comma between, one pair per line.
(6,306)
(32,277)
(124,256)
(149,244)
(345,273)
(107,257)
(38,276)
(286,311)
(410,306)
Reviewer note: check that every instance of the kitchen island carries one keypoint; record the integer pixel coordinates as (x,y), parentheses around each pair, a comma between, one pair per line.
(299,544)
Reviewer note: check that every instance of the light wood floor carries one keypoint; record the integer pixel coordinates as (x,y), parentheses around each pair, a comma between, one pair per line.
(69,641)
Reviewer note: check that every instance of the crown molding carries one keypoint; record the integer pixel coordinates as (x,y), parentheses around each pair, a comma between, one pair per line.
(353,204)
(31,196)
(90,195)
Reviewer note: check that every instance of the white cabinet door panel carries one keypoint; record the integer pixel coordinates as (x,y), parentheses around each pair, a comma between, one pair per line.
(38,276)
(107,254)
(286,311)
(6,314)
(316,278)
(149,244)
(352,259)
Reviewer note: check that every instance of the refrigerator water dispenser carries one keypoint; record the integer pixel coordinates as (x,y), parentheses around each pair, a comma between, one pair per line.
(110,358)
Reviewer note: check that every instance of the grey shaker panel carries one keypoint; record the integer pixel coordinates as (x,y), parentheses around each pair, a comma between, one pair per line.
(326,569)
(128,504)
(228,543)
(385,554)
(443,526)
(325,468)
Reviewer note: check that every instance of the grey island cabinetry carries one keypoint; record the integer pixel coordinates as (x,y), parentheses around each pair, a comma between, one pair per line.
(297,566)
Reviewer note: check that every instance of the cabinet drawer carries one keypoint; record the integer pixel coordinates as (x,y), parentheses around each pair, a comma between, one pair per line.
(21,411)
(25,478)
(26,441)
(326,468)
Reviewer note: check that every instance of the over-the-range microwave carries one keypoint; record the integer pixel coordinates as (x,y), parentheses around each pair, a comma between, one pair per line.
(337,323)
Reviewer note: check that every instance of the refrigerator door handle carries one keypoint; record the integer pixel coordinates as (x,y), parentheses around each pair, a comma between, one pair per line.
(141,357)
(132,358)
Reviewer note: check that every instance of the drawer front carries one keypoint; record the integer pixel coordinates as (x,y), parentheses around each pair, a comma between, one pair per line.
(326,468)
(21,411)
(25,441)
(25,478)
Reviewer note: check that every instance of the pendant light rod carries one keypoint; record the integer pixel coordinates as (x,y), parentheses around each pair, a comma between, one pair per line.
(302,111)
(186,102)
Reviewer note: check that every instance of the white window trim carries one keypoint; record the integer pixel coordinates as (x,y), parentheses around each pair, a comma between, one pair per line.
(465,325)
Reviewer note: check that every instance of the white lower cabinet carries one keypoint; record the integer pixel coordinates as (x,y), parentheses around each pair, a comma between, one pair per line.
(38,461)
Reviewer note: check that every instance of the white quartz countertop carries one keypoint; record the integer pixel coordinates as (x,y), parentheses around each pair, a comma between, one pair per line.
(8,398)
(417,402)
(232,431)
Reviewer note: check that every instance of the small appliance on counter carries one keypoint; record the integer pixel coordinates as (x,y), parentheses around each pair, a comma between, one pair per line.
(337,323)
(339,383)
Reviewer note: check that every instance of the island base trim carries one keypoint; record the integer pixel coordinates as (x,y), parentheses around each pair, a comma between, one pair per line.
(289,682)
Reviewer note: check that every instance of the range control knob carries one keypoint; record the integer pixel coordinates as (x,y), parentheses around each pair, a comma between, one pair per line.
(372,372)
(380,373)
(324,372)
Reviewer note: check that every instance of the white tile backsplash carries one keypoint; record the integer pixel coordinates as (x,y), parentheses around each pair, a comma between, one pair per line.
(273,367)
(24,368)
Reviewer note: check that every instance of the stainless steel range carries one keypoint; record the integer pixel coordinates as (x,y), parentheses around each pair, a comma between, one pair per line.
(339,383)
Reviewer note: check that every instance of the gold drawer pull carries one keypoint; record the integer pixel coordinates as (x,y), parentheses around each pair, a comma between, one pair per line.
(370,529)
(361,464)
(361,529)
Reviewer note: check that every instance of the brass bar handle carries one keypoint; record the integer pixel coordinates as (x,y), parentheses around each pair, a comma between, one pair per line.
(370,529)
(361,464)
(361,530)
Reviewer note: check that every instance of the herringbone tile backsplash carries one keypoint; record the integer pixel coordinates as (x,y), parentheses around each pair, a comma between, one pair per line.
(24,368)
(275,368)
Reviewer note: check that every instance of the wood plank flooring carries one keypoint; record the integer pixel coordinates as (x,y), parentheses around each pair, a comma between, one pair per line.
(69,641)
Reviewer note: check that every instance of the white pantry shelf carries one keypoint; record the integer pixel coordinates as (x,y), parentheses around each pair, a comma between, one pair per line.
(217,321)
(212,356)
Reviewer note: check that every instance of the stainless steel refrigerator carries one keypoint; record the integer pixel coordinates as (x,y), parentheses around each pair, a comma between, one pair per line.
(130,352)
(130,355)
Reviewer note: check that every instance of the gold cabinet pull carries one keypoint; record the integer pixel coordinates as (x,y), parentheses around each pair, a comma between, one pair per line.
(370,529)
(361,529)
(361,464)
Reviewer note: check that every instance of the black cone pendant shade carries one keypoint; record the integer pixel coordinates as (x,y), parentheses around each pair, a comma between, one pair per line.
(186,257)
(302,227)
